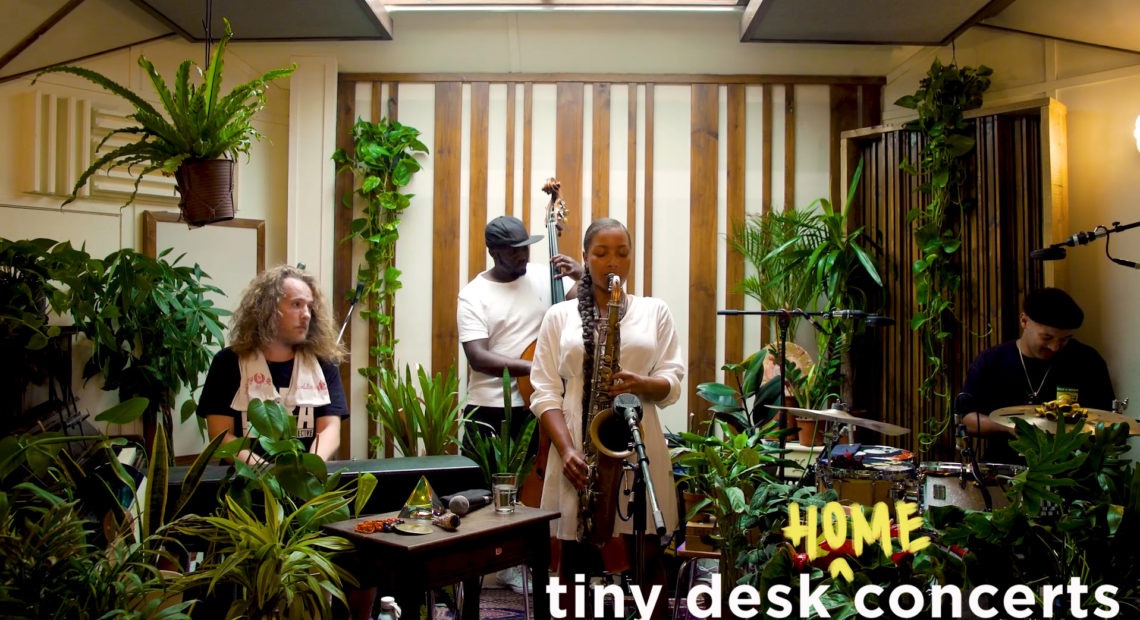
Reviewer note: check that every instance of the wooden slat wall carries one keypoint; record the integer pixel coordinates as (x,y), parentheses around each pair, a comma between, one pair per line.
(854,101)
(600,177)
(998,234)
(703,178)
(647,269)
(343,272)
(734,203)
(569,152)
(445,261)
(480,115)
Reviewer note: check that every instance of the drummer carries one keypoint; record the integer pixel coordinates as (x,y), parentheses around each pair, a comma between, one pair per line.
(1043,364)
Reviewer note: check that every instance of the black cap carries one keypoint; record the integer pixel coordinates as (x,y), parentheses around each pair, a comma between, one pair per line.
(508,231)
(1053,307)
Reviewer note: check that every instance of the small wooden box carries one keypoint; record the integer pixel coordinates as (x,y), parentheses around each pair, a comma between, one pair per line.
(698,535)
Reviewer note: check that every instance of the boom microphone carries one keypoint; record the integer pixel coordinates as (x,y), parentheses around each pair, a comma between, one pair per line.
(1053,252)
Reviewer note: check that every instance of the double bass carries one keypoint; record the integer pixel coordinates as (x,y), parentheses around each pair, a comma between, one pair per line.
(530,492)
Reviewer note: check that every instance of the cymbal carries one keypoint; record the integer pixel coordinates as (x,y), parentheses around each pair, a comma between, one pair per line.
(1006,415)
(838,415)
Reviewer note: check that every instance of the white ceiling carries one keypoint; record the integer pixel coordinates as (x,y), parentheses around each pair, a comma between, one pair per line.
(40,33)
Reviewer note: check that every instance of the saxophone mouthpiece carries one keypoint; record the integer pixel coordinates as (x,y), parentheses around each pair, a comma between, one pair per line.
(613,280)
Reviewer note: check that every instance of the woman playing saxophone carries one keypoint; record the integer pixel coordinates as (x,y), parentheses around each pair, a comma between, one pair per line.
(650,366)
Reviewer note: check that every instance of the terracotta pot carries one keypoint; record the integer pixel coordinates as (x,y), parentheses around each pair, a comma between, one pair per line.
(809,436)
(206,188)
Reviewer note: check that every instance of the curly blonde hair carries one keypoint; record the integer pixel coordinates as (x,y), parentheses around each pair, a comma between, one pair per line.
(255,321)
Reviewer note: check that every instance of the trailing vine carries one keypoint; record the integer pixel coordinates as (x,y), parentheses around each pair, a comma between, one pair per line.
(383,160)
(941,101)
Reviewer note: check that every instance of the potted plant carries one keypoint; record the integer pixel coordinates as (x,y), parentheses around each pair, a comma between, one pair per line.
(813,260)
(280,562)
(266,538)
(71,547)
(196,134)
(423,422)
(500,451)
(728,469)
(35,277)
(150,326)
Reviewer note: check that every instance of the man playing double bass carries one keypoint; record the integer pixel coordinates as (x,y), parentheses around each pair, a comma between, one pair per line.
(499,314)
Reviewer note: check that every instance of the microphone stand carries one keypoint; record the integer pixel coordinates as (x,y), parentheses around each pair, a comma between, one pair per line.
(351,306)
(1057,250)
(643,495)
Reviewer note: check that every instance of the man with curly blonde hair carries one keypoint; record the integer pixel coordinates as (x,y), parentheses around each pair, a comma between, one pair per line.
(282,348)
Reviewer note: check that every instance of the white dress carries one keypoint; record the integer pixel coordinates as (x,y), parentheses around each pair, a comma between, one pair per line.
(649,346)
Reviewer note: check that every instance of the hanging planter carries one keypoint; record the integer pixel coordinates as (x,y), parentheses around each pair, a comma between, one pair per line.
(195,128)
(206,188)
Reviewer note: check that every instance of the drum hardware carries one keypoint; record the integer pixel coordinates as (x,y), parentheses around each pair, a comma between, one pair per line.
(838,415)
(783,323)
(964,402)
(1006,415)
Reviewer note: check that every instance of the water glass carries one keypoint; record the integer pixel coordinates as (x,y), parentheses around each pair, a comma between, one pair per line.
(505,488)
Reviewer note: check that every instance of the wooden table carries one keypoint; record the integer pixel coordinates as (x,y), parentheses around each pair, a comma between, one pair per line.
(408,566)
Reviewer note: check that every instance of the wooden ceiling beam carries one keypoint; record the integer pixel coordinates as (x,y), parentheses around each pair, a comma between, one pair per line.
(40,30)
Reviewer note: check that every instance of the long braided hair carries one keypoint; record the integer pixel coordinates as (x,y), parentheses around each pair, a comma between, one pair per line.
(587,308)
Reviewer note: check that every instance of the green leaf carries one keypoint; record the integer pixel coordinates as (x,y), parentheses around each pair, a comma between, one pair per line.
(125,412)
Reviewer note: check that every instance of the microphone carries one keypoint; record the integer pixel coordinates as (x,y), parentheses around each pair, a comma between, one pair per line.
(465,501)
(1083,238)
(628,407)
(1053,252)
(875,320)
(357,293)
(846,314)
(1057,251)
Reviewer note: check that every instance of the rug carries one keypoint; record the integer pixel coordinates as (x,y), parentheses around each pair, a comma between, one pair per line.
(501,604)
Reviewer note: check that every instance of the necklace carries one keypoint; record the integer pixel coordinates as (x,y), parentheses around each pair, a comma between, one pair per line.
(1029,382)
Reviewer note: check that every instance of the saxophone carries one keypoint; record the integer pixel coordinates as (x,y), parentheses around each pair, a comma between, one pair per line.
(597,502)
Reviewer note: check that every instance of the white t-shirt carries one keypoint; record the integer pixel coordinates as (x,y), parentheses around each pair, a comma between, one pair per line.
(507,314)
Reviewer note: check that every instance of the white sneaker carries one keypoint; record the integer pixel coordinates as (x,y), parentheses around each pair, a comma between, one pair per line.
(513,578)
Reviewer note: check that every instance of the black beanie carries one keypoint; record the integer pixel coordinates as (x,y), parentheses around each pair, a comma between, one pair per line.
(1055,308)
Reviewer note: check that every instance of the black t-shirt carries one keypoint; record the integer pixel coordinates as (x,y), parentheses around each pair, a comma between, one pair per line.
(224,378)
(996,379)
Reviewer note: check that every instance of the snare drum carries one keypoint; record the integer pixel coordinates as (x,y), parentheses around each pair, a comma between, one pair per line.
(944,485)
(871,475)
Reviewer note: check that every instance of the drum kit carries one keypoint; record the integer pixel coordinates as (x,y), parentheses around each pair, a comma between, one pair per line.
(868,474)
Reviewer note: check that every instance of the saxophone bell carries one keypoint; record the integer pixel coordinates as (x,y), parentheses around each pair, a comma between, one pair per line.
(610,435)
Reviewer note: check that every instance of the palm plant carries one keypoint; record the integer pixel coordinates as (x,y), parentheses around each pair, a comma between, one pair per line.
(810,260)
